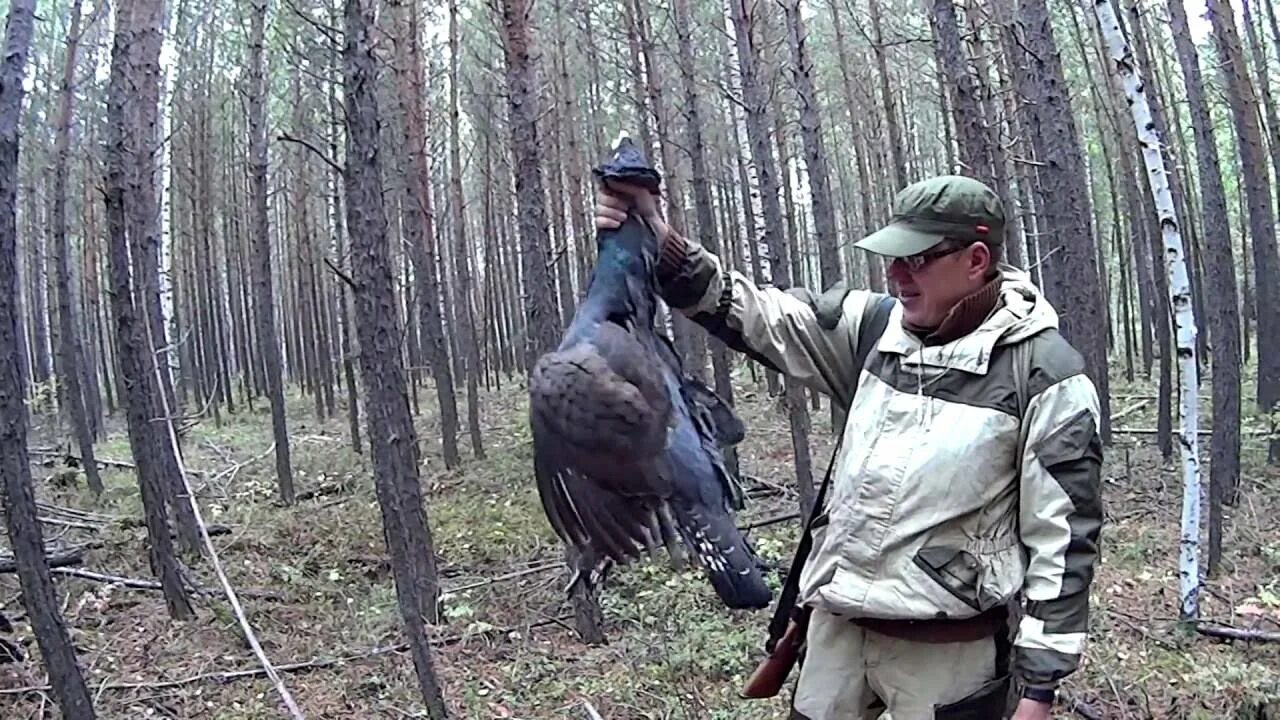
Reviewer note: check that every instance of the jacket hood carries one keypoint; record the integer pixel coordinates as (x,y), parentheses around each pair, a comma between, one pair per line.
(1023,311)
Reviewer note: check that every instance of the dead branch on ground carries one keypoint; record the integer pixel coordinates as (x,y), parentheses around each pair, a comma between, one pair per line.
(316,663)
(142,584)
(1231,633)
(1080,707)
(785,517)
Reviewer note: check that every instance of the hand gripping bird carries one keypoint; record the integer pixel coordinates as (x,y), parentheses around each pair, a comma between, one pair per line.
(627,446)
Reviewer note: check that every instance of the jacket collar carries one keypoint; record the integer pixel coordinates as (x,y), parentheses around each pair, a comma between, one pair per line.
(1020,311)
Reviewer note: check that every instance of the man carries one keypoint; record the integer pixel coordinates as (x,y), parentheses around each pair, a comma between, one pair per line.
(963,482)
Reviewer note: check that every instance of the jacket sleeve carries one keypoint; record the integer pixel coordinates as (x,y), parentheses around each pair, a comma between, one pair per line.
(1060,522)
(785,330)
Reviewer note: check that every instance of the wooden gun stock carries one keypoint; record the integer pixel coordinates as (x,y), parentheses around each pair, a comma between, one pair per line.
(769,676)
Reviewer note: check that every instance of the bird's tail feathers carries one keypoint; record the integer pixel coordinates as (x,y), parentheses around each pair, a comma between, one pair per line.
(735,571)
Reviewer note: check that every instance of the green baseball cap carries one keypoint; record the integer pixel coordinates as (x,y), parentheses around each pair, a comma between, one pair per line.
(927,212)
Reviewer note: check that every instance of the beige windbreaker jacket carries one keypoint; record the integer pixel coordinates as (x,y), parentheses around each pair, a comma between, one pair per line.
(946,498)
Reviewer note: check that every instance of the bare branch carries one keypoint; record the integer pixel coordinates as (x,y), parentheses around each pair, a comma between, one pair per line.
(286,137)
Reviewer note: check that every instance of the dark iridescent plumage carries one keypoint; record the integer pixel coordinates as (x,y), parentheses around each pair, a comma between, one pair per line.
(627,447)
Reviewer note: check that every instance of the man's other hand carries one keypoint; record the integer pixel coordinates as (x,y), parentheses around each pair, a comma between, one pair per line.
(1029,709)
(614,199)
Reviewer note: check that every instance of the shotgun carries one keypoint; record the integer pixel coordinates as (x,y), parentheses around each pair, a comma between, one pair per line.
(770,675)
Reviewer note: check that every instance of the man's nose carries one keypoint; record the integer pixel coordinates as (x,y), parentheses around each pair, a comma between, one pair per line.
(898,271)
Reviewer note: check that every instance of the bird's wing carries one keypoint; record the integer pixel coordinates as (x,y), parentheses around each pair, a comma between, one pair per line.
(592,517)
(600,415)
(714,416)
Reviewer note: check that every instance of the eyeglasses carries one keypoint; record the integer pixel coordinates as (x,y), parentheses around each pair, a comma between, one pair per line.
(916,263)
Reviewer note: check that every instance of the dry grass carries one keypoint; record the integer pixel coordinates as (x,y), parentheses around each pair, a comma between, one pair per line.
(673,652)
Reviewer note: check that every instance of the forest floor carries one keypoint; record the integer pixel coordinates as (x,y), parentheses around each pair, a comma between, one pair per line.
(506,649)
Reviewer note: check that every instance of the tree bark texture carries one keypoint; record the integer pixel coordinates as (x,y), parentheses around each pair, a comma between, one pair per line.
(1222,295)
(755,99)
(1179,294)
(264,292)
(467,324)
(1257,195)
(1065,219)
(392,440)
(972,134)
(137,375)
(542,329)
(69,350)
(703,205)
(39,596)
(542,317)
(419,228)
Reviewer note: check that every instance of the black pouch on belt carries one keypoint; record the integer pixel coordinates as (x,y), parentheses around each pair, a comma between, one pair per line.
(992,700)
(988,702)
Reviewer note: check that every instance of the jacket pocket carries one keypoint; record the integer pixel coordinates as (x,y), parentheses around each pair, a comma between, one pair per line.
(957,571)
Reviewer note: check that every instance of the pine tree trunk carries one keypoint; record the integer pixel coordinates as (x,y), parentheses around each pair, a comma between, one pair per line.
(1261,212)
(970,118)
(144,218)
(542,320)
(1263,71)
(896,146)
(139,377)
(264,295)
(703,206)
(419,230)
(392,439)
(755,100)
(690,341)
(69,334)
(467,323)
(1066,225)
(39,596)
(824,221)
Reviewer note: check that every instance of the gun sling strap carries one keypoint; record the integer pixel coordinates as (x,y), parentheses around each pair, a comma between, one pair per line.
(875,318)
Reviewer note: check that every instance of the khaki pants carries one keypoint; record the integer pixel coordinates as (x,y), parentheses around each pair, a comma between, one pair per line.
(847,667)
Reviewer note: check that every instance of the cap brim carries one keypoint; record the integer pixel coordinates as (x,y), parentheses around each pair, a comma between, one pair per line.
(896,240)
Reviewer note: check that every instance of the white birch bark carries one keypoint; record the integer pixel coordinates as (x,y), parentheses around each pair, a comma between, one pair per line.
(1179,299)
(168,62)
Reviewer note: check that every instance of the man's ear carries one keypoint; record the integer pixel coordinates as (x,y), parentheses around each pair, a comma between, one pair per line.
(980,261)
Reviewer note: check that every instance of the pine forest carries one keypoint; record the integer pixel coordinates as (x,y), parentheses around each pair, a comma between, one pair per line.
(276,276)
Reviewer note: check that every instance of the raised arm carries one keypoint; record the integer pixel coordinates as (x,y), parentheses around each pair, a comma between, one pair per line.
(810,338)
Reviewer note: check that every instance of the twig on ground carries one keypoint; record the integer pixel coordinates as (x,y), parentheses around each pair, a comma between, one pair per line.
(1152,431)
(246,629)
(770,521)
(316,663)
(508,576)
(75,513)
(70,523)
(1129,410)
(1080,707)
(72,456)
(136,583)
(770,488)
(591,710)
(57,560)
(1232,633)
(142,584)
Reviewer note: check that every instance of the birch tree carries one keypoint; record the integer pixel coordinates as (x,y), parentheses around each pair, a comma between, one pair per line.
(1179,299)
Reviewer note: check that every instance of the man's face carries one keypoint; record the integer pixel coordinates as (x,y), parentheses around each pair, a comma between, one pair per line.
(929,284)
